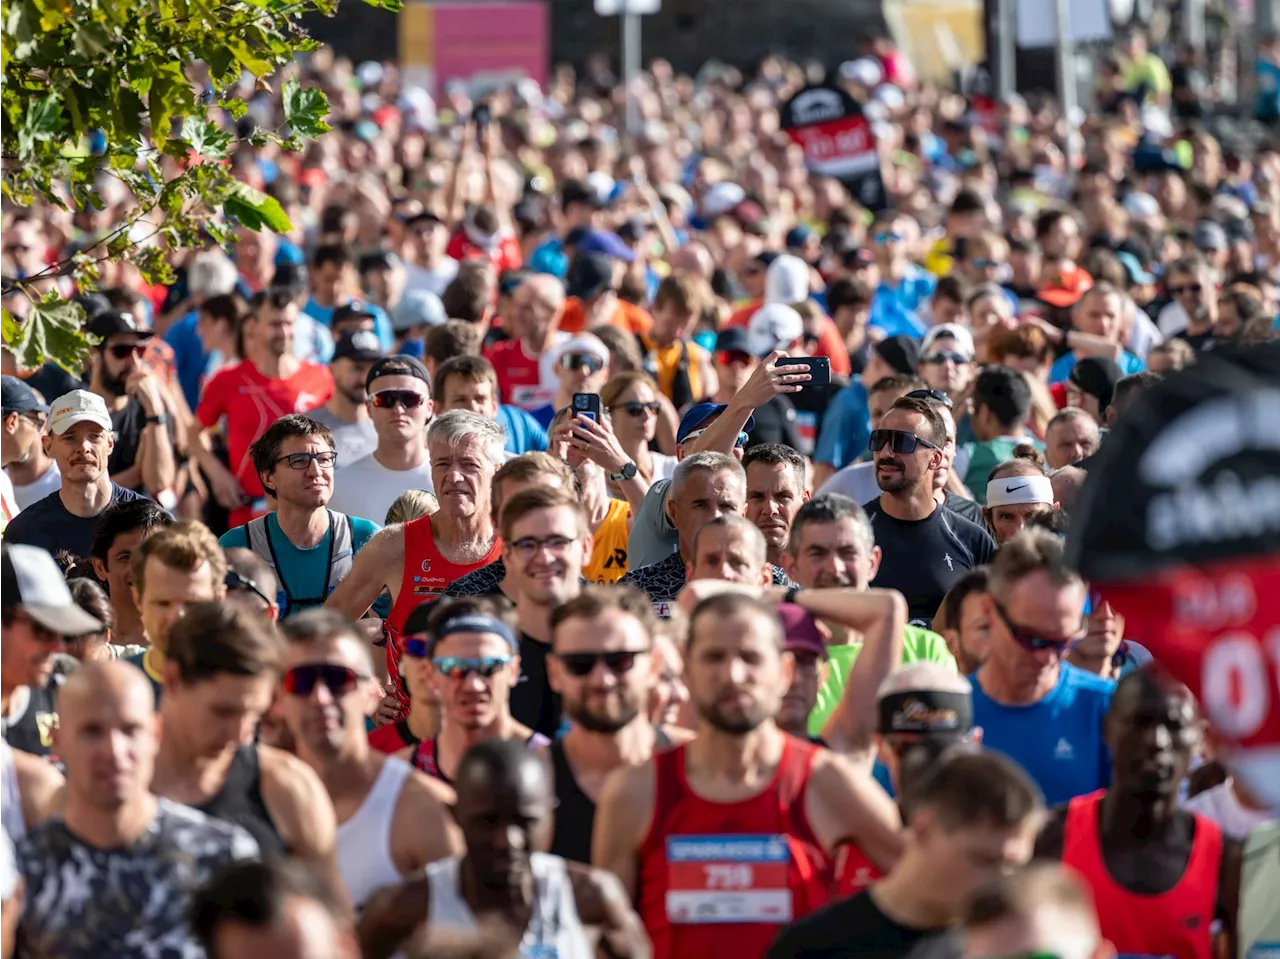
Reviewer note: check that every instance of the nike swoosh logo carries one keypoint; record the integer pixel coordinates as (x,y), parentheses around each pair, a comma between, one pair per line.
(1010,489)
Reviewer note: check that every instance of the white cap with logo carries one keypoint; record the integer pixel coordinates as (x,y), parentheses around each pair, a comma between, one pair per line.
(78,406)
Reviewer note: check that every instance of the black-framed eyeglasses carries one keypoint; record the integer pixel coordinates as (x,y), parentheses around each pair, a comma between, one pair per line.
(619,662)
(237,581)
(527,546)
(936,396)
(37,420)
(1032,641)
(900,441)
(301,461)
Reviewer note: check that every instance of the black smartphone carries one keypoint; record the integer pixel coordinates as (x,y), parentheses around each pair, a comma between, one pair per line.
(819,368)
(481,115)
(587,404)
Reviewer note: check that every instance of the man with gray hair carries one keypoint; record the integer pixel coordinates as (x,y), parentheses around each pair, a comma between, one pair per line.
(416,561)
(704,486)
(730,548)
(1070,436)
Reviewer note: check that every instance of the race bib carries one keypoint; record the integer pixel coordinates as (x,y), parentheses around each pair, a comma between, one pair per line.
(728,879)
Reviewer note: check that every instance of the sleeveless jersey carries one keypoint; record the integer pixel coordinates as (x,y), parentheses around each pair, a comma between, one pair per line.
(392,737)
(1259,923)
(424,757)
(555,930)
(1174,924)
(854,871)
(426,574)
(608,562)
(363,849)
(721,879)
(341,556)
(240,802)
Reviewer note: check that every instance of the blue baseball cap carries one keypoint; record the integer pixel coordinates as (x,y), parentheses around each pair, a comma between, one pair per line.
(699,413)
(20,398)
(610,244)
(1133,269)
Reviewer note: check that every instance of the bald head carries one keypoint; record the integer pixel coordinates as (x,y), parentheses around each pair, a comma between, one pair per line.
(504,809)
(1067,483)
(547,289)
(107,735)
(501,764)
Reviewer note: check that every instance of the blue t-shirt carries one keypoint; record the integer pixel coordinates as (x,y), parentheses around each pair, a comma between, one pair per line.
(897,309)
(1058,740)
(304,572)
(524,433)
(381,323)
(846,427)
(1064,364)
(47,523)
(189,356)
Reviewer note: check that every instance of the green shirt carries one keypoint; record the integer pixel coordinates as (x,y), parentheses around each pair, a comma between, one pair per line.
(917,645)
(983,457)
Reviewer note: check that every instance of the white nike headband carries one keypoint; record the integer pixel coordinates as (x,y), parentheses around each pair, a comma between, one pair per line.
(1014,490)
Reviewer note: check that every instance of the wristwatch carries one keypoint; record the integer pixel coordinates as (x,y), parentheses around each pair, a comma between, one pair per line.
(792,593)
(160,419)
(627,472)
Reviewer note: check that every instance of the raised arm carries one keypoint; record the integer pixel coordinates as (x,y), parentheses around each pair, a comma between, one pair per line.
(765,383)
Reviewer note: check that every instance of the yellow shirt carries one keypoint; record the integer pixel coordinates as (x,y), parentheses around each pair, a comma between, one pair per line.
(609,553)
(667,360)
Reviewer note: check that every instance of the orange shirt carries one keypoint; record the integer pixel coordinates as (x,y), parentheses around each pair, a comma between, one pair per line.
(627,316)
(830,342)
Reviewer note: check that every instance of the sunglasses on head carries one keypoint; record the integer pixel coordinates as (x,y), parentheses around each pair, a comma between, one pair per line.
(1187,288)
(1032,641)
(734,358)
(899,441)
(388,399)
(235,581)
(122,351)
(301,461)
(460,667)
(302,680)
(638,409)
(582,664)
(959,359)
(936,396)
(582,361)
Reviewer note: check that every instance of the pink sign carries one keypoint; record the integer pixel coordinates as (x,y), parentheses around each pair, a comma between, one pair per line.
(474,40)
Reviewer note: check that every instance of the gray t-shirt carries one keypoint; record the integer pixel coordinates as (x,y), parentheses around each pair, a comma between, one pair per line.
(353,441)
(652,538)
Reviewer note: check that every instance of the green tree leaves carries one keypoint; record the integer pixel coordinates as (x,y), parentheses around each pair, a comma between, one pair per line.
(50,331)
(305,110)
(255,210)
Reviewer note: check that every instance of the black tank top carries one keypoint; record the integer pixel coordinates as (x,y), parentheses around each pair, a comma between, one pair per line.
(575,812)
(240,802)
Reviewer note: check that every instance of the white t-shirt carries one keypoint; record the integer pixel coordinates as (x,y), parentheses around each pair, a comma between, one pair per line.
(366,488)
(433,281)
(1221,805)
(8,504)
(856,481)
(50,482)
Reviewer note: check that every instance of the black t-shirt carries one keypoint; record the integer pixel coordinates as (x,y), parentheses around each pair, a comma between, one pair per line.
(922,558)
(50,525)
(32,730)
(857,928)
(967,508)
(1200,342)
(775,423)
(533,702)
(811,406)
(52,381)
(127,423)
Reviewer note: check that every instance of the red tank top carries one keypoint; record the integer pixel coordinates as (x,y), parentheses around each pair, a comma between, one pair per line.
(1174,924)
(720,879)
(426,574)
(854,871)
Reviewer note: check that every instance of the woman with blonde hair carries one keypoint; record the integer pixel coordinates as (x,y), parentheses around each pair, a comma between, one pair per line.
(635,404)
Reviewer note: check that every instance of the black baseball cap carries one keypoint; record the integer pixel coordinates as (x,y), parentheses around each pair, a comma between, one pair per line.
(901,352)
(349,311)
(111,322)
(1097,376)
(426,216)
(358,345)
(735,339)
(18,397)
(575,191)
(30,579)
(590,274)
(397,365)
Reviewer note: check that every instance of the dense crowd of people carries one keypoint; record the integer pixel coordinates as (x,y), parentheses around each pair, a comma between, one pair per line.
(564,542)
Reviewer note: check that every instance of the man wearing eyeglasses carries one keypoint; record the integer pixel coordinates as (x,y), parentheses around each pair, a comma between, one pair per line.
(925,547)
(392,822)
(400,406)
(1193,288)
(1032,705)
(308,544)
(467,653)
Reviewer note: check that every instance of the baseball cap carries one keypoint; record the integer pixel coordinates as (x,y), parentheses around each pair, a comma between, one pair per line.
(1134,272)
(1097,376)
(732,339)
(349,311)
(78,406)
(799,235)
(1208,235)
(1065,289)
(901,352)
(774,326)
(963,338)
(1138,204)
(721,198)
(699,413)
(29,578)
(590,274)
(575,191)
(397,365)
(110,322)
(584,343)
(418,308)
(18,397)
(606,243)
(358,345)
(801,631)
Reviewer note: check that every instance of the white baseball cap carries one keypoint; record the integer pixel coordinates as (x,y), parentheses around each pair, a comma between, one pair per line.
(78,406)
(774,326)
(963,338)
(30,578)
(587,343)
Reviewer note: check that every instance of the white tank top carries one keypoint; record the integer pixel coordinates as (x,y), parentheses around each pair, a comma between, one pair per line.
(554,930)
(10,796)
(364,855)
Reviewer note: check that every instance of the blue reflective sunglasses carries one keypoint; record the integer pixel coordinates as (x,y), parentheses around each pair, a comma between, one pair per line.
(459,667)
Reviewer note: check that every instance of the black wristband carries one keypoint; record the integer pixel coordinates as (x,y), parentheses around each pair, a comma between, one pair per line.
(792,593)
